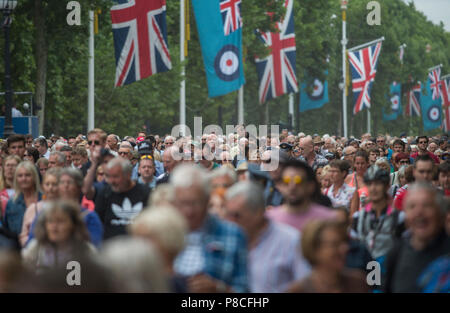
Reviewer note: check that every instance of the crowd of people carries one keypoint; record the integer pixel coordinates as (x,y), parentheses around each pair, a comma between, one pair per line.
(225,213)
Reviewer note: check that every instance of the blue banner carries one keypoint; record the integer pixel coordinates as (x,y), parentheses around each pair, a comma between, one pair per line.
(316,99)
(395,99)
(220,30)
(431,109)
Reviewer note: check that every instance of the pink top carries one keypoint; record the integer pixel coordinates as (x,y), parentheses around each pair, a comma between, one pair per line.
(28,218)
(298,220)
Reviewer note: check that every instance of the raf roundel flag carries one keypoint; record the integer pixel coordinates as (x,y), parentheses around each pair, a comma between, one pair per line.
(219,25)
(431,108)
(316,99)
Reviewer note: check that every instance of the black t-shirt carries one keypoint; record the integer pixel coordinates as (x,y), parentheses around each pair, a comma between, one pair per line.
(116,210)
(404,264)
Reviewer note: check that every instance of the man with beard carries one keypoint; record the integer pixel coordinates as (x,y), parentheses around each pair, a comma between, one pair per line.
(298,187)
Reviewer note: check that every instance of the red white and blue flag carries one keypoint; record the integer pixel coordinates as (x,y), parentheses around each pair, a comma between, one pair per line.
(435,80)
(276,72)
(140,39)
(413,106)
(445,92)
(363,67)
(231,15)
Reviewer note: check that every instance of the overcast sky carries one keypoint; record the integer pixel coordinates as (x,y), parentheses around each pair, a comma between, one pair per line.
(435,10)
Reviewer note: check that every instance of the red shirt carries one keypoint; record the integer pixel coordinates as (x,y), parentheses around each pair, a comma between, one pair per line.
(399,197)
(432,155)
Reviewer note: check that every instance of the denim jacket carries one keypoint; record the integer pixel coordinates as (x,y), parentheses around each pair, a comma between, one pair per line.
(14,212)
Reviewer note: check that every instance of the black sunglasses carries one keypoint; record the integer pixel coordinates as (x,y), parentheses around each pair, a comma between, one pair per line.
(96,142)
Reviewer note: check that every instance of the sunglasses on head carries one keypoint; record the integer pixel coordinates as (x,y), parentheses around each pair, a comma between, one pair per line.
(146,157)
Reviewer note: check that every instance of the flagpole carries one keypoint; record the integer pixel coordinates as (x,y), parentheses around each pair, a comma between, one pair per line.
(91,111)
(434,67)
(368,120)
(344,72)
(366,44)
(291,109)
(241,106)
(183,70)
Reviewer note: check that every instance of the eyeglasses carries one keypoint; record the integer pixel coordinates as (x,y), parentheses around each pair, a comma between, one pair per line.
(296,179)
(350,154)
(404,162)
(380,141)
(96,142)
(146,157)
(422,142)
(168,143)
(123,153)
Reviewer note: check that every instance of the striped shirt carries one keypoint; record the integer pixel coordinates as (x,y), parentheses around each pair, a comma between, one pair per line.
(276,261)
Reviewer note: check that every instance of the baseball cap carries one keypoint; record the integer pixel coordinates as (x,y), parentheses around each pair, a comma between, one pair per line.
(374,173)
(285,146)
(145,147)
(140,139)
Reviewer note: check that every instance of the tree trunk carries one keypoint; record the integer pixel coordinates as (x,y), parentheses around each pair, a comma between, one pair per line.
(41,49)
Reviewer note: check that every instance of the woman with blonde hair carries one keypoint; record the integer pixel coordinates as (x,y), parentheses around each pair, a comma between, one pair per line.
(50,188)
(7,180)
(152,224)
(60,236)
(27,192)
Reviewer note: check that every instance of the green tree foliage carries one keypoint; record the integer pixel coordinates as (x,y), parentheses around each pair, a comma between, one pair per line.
(155,100)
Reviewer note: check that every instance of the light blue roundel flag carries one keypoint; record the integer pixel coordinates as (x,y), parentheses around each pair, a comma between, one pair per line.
(220,30)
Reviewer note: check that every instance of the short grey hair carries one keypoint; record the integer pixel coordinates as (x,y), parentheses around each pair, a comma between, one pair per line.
(439,197)
(252,192)
(61,157)
(170,137)
(126,144)
(124,164)
(57,144)
(223,171)
(75,174)
(187,175)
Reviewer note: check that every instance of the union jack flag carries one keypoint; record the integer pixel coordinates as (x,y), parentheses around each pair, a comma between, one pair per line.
(413,106)
(140,39)
(435,80)
(231,15)
(276,72)
(364,67)
(445,91)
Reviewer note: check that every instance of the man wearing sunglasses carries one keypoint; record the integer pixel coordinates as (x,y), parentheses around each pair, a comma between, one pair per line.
(422,145)
(96,142)
(298,186)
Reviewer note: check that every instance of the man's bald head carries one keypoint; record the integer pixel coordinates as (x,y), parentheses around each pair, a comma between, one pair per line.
(306,145)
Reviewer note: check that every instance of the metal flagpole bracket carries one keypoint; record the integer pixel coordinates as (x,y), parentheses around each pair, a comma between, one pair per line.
(365,44)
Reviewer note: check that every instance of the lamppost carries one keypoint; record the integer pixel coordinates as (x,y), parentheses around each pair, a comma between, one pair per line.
(6,7)
(344,72)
